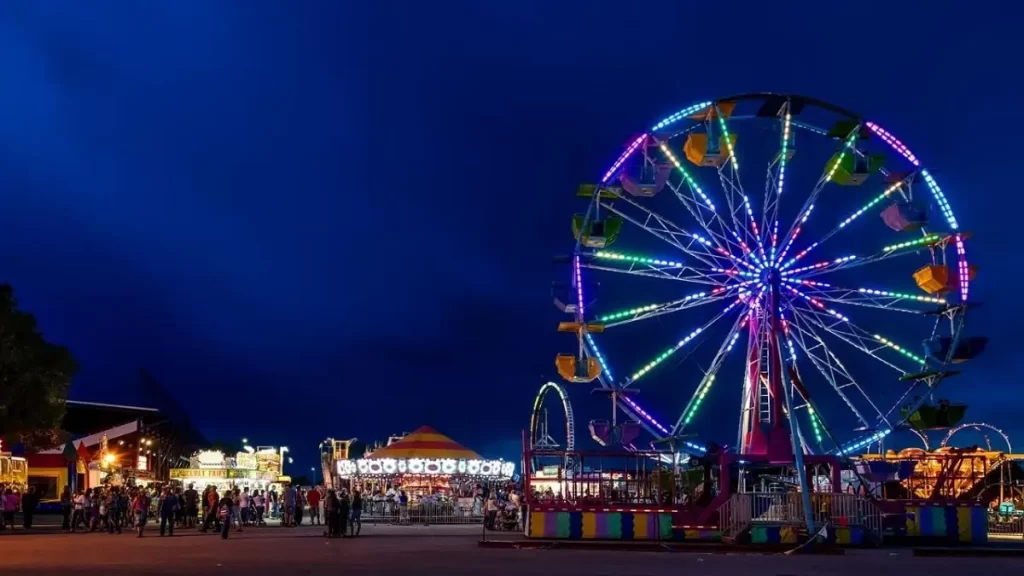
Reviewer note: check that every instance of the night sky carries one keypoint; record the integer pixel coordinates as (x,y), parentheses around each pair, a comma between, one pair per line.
(312,219)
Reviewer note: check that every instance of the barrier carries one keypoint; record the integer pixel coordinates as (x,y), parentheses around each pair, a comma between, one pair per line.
(390,512)
(599,525)
(1006,525)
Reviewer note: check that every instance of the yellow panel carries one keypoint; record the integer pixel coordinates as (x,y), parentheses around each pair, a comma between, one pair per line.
(963,523)
(589,525)
(787,535)
(568,326)
(566,364)
(842,535)
(696,147)
(932,279)
(594,328)
(913,520)
(640,526)
(536,524)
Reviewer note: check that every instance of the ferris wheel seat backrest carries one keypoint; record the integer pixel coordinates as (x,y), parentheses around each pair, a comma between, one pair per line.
(598,233)
(638,187)
(932,417)
(853,169)
(934,278)
(703,151)
(629,432)
(571,370)
(600,431)
(905,217)
(966,348)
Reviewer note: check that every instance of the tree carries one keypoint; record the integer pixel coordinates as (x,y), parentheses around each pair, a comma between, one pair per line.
(34,378)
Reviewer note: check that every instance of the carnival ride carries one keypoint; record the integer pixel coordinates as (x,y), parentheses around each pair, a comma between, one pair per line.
(767,277)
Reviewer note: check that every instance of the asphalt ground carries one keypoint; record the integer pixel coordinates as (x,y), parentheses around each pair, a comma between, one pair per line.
(444,550)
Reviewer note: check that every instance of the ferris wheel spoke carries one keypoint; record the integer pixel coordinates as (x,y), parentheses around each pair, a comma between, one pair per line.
(708,380)
(696,201)
(847,331)
(681,275)
(694,245)
(832,369)
(808,207)
(648,311)
(749,237)
(866,297)
(675,348)
(847,221)
(775,183)
(887,252)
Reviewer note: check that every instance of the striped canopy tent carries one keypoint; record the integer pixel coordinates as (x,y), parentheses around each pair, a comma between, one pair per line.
(425,443)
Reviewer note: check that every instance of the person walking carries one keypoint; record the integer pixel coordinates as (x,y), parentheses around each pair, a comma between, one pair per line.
(140,507)
(331,514)
(10,506)
(289,506)
(244,501)
(168,509)
(224,511)
(210,512)
(66,507)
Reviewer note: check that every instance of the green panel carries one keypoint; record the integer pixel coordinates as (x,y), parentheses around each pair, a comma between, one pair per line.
(665,526)
(562,526)
(612,227)
(758,534)
(607,192)
(614,525)
(875,162)
(932,417)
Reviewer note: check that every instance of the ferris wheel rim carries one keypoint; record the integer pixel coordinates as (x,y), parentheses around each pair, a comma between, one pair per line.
(889,139)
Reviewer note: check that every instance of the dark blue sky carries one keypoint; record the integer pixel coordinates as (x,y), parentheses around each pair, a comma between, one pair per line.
(343,213)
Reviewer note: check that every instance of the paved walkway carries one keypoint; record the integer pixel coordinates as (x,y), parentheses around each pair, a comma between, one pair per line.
(441,550)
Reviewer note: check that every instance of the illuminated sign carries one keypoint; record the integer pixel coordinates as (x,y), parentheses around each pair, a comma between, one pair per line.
(210,459)
(434,466)
(143,462)
(245,460)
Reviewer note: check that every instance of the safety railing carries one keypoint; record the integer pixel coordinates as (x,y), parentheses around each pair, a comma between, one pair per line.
(749,508)
(1003,525)
(390,512)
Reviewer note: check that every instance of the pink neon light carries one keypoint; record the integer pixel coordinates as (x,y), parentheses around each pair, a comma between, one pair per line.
(579,286)
(965,270)
(618,163)
(894,143)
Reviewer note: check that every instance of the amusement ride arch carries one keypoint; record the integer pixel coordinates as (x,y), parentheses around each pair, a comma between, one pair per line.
(979,426)
(539,431)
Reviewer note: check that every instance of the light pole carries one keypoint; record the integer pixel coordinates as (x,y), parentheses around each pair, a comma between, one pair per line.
(313,469)
(281,452)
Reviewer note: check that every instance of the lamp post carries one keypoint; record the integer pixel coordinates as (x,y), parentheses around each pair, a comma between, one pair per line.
(313,469)
(281,452)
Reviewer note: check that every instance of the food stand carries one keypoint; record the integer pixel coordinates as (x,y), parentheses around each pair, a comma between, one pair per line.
(256,470)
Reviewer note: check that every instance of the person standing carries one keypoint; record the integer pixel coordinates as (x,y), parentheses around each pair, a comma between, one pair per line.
(259,500)
(343,510)
(300,505)
(168,508)
(243,503)
(210,512)
(289,505)
(66,506)
(191,506)
(313,499)
(114,512)
(224,511)
(29,501)
(331,514)
(10,505)
(357,513)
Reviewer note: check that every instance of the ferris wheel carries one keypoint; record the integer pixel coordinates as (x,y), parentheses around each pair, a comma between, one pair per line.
(820,265)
